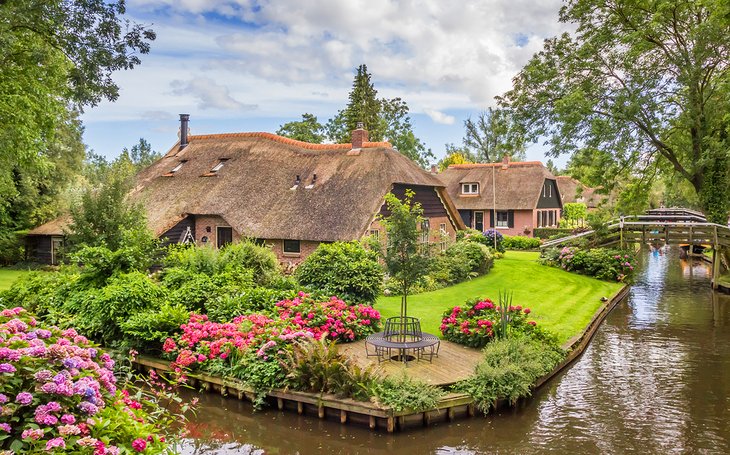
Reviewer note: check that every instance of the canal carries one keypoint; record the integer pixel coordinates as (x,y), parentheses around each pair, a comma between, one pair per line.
(655,379)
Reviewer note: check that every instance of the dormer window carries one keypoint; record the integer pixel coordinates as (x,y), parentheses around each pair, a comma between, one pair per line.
(178,167)
(470,188)
(219,166)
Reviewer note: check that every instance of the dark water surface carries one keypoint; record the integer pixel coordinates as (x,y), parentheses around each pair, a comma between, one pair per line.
(655,379)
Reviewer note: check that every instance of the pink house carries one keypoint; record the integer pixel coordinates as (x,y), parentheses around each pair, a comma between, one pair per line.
(513,197)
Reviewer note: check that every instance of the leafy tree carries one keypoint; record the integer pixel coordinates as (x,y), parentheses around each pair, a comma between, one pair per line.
(307,130)
(141,154)
(637,83)
(103,216)
(396,124)
(492,135)
(454,155)
(404,257)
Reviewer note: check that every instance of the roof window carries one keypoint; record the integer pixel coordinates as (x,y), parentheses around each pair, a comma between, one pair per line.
(178,167)
(297,181)
(219,166)
(311,185)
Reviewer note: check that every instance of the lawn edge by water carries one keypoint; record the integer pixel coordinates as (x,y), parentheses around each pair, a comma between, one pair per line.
(562,302)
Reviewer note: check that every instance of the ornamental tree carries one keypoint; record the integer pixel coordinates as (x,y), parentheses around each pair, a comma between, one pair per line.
(405,258)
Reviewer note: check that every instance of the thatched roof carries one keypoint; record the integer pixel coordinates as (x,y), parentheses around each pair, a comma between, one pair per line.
(253,190)
(569,191)
(54,227)
(518,184)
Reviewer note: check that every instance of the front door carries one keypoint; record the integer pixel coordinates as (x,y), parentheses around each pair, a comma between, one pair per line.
(224,236)
(479,221)
(56,249)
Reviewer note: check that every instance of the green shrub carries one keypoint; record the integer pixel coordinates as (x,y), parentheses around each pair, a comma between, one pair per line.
(258,299)
(193,259)
(509,370)
(257,258)
(345,269)
(101,312)
(195,291)
(147,329)
(545,233)
(403,392)
(602,263)
(38,292)
(518,242)
(461,261)
(318,366)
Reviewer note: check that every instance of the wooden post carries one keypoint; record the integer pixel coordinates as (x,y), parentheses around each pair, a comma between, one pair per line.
(691,243)
(470,409)
(372,422)
(300,407)
(280,404)
(343,416)
(450,414)
(426,419)
(715,266)
(320,412)
(391,424)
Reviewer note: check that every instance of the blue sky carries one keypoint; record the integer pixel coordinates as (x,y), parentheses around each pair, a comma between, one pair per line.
(250,65)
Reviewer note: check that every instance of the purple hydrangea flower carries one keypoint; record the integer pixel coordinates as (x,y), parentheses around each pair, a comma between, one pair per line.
(5,427)
(43,375)
(42,333)
(3,398)
(24,398)
(6,368)
(88,408)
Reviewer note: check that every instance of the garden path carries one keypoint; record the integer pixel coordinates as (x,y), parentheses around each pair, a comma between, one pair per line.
(454,363)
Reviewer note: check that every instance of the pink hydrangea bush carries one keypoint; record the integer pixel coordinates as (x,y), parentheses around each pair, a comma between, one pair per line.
(479,322)
(255,336)
(58,394)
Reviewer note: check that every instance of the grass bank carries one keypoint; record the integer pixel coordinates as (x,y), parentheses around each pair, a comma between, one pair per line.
(8,277)
(560,301)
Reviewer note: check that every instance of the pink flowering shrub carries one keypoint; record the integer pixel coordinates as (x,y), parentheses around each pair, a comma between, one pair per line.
(251,347)
(333,319)
(58,394)
(480,321)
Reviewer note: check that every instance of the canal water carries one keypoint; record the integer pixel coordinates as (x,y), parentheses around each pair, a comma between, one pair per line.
(655,379)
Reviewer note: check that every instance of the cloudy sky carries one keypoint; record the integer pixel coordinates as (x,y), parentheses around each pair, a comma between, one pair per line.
(248,65)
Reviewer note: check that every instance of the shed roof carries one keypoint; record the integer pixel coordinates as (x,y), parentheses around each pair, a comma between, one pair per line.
(54,227)
(518,184)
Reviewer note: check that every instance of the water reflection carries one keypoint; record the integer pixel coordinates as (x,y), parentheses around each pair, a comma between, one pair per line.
(655,379)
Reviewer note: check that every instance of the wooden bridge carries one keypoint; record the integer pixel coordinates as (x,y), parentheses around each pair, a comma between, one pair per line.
(662,226)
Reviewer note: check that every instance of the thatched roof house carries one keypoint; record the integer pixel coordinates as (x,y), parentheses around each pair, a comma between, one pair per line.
(573,190)
(216,188)
(514,197)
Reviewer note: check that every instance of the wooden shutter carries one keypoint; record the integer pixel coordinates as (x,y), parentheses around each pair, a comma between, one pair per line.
(510,218)
(491,218)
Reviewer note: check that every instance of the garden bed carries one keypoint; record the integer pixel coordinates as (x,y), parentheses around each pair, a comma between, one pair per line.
(450,407)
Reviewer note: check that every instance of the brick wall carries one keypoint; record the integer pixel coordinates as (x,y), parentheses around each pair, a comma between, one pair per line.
(203,222)
(291,260)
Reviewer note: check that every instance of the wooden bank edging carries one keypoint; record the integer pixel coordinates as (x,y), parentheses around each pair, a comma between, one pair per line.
(325,406)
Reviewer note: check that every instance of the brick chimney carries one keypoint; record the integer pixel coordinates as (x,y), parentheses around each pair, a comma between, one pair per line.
(359,136)
(505,161)
(184,119)
(434,169)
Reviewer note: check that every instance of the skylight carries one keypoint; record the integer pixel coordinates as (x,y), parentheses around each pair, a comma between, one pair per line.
(178,167)
(219,166)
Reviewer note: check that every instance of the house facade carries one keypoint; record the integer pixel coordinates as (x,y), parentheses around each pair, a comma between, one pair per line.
(572,190)
(218,188)
(512,197)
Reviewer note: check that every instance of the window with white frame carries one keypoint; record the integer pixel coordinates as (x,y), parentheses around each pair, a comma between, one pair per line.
(502,219)
(178,167)
(547,190)
(220,165)
(375,233)
(470,188)
(425,228)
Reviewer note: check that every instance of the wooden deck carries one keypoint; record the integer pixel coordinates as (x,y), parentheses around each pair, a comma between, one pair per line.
(454,363)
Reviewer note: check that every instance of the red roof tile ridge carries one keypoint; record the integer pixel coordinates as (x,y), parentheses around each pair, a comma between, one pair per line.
(286,140)
(499,164)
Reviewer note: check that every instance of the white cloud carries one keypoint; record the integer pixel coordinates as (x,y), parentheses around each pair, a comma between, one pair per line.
(440,117)
(209,94)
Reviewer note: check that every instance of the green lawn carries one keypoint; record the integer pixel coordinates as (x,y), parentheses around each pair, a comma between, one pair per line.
(560,301)
(8,277)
